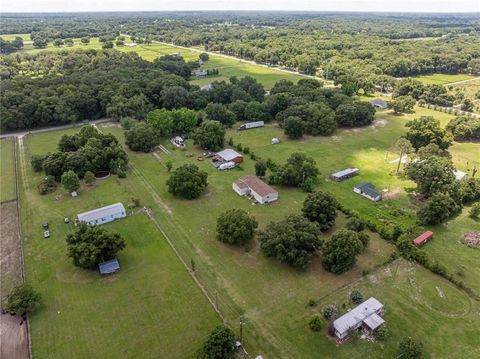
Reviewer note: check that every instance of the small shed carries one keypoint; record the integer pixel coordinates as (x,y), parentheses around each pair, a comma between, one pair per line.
(423,238)
(344,174)
(201,73)
(109,267)
(230,155)
(379,103)
(275,141)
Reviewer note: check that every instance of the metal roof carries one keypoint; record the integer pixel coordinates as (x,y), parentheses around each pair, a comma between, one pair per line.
(108,267)
(368,188)
(101,212)
(357,315)
(374,321)
(255,184)
(345,172)
(229,154)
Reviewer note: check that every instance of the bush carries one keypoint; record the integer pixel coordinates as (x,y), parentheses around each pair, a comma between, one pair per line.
(356,297)
(312,302)
(23,298)
(475,211)
(89,178)
(382,333)
(364,238)
(220,344)
(187,181)
(260,169)
(355,224)
(410,348)
(121,173)
(37,162)
(235,226)
(330,312)
(70,181)
(47,185)
(315,323)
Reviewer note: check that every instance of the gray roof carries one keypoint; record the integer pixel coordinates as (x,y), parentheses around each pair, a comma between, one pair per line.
(373,321)
(108,267)
(101,212)
(357,315)
(345,172)
(229,154)
(379,102)
(368,188)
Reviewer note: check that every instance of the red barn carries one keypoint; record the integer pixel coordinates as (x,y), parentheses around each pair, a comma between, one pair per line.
(422,239)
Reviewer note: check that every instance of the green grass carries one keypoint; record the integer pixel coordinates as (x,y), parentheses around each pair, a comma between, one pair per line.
(151,308)
(442,79)
(9,37)
(7,175)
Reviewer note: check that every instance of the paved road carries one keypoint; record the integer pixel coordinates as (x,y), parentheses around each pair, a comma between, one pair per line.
(52,128)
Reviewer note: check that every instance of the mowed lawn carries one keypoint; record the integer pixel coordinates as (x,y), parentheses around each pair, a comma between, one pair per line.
(442,79)
(151,308)
(10,37)
(7,167)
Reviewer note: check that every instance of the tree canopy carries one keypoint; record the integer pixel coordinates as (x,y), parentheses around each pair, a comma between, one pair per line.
(235,226)
(320,207)
(340,251)
(210,135)
(187,181)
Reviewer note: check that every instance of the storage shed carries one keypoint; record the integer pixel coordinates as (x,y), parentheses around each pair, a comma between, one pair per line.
(423,238)
(103,215)
(368,190)
(230,155)
(250,185)
(109,267)
(379,103)
(344,174)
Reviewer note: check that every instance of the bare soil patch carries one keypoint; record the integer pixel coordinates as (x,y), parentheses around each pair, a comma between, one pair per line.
(472,239)
(391,194)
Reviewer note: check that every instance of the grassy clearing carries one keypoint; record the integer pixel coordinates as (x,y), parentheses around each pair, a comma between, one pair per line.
(442,79)
(7,175)
(9,37)
(142,311)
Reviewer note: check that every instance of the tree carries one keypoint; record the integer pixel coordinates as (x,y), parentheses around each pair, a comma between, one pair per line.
(339,253)
(204,56)
(298,170)
(235,226)
(356,296)
(464,128)
(330,312)
(169,166)
(382,333)
(162,121)
(90,245)
(355,224)
(107,45)
(69,42)
(40,43)
(187,181)
(47,185)
(260,168)
(22,299)
(220,344)
(402,104)
(220,113)
(315,323)
(320,207)
(294,127)
(467,105)
(403,147)
(141,137)
(425,130)
(70,181)
(354,114)
(85,40)
(364,238)
(210,135)
(410,348)
(89,178)
(58,42)
(438,208)
(37,162)
(292,240)
(475,211)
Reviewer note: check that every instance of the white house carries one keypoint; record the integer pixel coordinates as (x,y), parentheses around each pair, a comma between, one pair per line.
(368,314)
(368,190)
(250,185)
(103,215)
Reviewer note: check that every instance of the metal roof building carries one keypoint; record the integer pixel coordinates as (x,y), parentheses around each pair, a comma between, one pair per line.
(103,215)
(109,267)
(344,174)
(228,155)
(367,189)
(367,313)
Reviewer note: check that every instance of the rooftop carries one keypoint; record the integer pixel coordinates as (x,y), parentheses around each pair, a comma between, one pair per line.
(357,314)
(255,184)
(229,154)
(423,237)
(345,172)
(101,212)
(108,267)
(368,188)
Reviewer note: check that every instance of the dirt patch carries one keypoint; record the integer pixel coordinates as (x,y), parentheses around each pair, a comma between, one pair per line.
(110,125)
(380,123)
(472,239)
(14,337)
(336,138)
(391,194)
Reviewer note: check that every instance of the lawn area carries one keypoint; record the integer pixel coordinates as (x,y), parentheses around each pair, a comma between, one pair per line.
(10,37)
(7,166)
(470,88)
(142,311)
(442,79)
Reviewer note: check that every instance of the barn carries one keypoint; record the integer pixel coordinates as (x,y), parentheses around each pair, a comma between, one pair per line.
(103,215)
(253,186)
(230,155)
(423,238)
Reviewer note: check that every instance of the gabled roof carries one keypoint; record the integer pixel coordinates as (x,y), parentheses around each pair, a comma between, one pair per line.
(345,172)
(374,321)
(368,188)
(229,154)
(108,267)
(379,102)
(357,315)
(255,184)
(101,212)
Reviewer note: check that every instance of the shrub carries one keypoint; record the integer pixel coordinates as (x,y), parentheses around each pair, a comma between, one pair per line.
(121,173)
(356,297)
(23,298)
(47,185)
(330,312)
(37,162)
(364,238)
(315,323)
(312,302)
(260,169)
(89,178)
(219,344)
(70,181)
(475,211)
(410,348)
(355,224)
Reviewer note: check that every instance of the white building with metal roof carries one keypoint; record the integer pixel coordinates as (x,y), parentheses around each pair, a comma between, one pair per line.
(368,313)
(103,215)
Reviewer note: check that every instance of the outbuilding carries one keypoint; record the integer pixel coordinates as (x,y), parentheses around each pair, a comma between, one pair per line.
(368,315)
(379,103)
(367,190)
(344,174)
(423,238)
(103,215)
(253,186)
(109,267)
(228,155)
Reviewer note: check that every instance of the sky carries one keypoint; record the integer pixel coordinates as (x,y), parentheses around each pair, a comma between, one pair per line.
(298,5)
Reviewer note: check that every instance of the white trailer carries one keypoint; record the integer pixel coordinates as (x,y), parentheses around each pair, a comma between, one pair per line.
(249,125)
(227,166)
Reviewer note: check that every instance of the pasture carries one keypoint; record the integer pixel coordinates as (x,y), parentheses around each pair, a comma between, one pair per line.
(7,166)
(142,311)
(442,79)
(10,37)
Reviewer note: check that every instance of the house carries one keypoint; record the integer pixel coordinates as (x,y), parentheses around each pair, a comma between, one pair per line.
(367,315)
(230,155)
(206,87)
(459,175)
(367,189)
(344,174)
(200,72)
(253,186)
(109,267)
(422,239)
(103,215)
(379,103)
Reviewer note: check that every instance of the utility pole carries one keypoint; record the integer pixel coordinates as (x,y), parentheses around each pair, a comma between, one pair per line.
(241,330)
(216,299)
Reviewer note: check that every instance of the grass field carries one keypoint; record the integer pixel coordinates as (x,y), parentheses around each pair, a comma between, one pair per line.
(442,79)
(7,166)
(142,311)
(9,37)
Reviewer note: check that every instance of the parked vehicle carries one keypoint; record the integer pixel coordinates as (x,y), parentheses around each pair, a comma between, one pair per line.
(249,125)
(227,166)
(66,220)
(46,234)
(45,225)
